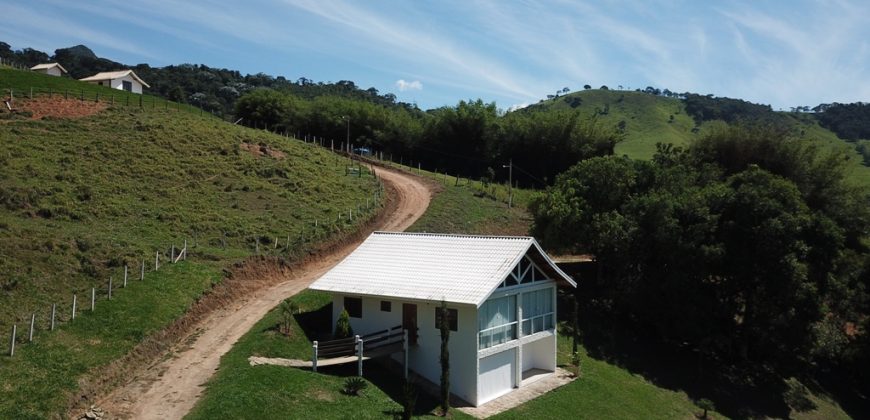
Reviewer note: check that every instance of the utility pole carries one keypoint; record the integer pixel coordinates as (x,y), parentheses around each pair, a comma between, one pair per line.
(510,167)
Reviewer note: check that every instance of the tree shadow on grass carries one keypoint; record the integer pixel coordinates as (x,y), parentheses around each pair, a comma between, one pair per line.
(737,390)
(316,324)
(389,382)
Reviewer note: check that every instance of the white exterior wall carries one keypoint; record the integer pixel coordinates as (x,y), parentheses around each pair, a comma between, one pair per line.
(117,84)
(425,357)
(539,354)
(52,71)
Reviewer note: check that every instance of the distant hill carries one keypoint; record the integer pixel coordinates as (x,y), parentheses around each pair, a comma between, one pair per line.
(647,119)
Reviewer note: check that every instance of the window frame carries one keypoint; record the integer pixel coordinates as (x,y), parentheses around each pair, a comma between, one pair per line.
(351,307)
(452,315)
(388,305)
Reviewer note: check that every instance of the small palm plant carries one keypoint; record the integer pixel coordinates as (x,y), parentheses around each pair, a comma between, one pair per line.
(354,385)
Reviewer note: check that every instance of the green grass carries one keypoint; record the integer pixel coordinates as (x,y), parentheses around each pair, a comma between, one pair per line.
(23,82)
(241,391)
(471,207)
(36,380)
(462,209)
(81,198)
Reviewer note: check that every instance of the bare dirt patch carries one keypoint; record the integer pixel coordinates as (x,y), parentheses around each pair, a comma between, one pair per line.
(260,150)
(58,107)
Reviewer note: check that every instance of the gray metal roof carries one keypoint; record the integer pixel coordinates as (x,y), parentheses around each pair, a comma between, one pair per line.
(423,266)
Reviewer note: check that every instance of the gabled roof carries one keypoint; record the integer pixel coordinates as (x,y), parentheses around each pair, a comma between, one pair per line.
(48,66)
(109,75)
(422,266)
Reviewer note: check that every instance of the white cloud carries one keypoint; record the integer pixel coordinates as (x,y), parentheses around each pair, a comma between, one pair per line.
(405,85)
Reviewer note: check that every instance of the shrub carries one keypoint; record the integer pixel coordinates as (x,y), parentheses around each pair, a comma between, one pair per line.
(706,405)
(288,309)
(342,325)
(796,396)
(575,364)
(354,385)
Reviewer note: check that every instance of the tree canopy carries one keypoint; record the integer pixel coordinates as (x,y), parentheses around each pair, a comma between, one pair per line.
(749,244)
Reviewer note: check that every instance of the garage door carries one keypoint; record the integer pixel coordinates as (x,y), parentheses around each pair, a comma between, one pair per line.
(497,375)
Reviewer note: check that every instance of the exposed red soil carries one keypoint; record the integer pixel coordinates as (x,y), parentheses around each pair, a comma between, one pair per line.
(260,150)
(58,107)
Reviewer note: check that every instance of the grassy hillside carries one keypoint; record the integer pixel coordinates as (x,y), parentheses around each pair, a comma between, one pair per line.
(648,120)
(81,198)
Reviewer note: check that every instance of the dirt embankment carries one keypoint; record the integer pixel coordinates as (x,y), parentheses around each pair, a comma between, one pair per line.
(149,385)
(56,107)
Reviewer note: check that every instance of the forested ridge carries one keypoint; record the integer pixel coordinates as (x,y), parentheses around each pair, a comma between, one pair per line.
(748,246)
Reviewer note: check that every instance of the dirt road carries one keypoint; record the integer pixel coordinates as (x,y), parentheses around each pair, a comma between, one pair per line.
(170,389)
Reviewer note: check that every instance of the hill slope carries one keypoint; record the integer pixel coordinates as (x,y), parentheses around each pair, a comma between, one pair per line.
(81,198)
(650,119)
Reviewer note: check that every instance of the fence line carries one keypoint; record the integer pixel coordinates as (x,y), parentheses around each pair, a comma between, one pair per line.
(317,229)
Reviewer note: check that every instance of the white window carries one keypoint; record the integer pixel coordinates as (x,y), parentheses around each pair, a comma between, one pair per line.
(497,321)
(538,311)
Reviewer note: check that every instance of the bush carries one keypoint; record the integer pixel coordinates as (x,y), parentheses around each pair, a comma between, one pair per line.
(796,396)
(354,385)
(288,309)
(575,364)
(706,405)
(342,325)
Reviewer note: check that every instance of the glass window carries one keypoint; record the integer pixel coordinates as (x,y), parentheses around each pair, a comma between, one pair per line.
(452,318)
(386,306)
(537,311)
(353,306)
(497,321)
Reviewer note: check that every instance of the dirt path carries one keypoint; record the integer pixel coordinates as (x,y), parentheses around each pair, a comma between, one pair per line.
(170,389)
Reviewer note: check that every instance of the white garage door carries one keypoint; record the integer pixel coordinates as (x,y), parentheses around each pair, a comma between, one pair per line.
(497,375)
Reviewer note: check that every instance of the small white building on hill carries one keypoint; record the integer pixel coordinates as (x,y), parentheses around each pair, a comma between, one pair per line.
(121,80)
(500,293)
(51,69)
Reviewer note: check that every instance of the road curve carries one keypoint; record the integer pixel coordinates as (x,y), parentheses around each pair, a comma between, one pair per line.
(170,389)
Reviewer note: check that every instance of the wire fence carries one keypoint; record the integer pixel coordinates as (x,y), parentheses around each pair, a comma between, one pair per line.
(50,317)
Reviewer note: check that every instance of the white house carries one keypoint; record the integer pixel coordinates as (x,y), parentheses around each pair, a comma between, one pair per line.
(121,80)
(51,69)
(501,295)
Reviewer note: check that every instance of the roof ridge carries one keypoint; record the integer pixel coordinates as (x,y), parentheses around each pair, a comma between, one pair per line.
(455,235)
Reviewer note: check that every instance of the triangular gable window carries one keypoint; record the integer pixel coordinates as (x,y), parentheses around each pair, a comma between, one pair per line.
(526,276)
(539,276)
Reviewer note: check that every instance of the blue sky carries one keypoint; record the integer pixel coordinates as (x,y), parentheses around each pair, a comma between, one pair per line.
(434,53)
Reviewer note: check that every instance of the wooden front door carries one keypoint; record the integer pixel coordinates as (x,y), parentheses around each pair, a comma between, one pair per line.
(409,321)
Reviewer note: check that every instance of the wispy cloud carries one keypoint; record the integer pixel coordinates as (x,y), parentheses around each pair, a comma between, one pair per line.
(799,53)
(403,85)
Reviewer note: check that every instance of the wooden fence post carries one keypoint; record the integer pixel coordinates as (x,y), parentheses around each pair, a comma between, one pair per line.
(74,308)
(93,298)
(185,248)
(359,355)
(314,357)
(53,312)
(142,271)
(110,287)
(12,341)
(32,322)
(125,275)
(156,260)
